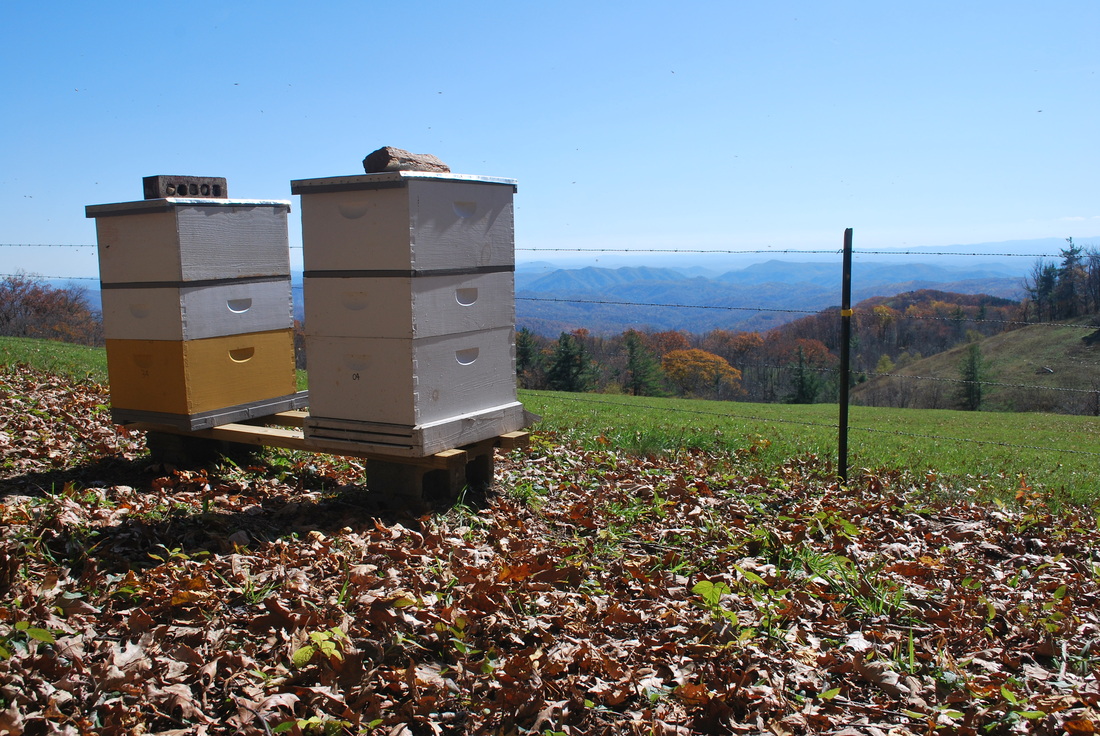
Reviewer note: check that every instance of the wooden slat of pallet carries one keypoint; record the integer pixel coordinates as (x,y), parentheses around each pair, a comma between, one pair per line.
(292,439)
(293,418)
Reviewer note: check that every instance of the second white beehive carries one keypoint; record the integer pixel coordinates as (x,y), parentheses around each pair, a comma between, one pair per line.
(409,310)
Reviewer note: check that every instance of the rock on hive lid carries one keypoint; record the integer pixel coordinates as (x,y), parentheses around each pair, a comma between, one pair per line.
(394,159)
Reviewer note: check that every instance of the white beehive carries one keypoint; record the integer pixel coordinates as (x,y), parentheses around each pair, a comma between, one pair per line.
(410,309)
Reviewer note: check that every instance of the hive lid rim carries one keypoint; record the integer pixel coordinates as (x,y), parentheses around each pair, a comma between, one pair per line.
(399,176)
(165,203)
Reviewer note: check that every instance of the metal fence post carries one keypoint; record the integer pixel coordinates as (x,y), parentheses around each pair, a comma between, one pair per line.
(845,356)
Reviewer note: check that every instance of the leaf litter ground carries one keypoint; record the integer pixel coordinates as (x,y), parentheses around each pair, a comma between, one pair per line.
(589,592)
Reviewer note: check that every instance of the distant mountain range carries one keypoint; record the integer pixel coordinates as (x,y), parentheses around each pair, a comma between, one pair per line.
(758,297)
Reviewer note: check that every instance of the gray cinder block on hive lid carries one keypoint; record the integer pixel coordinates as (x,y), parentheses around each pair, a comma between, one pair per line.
(158,187)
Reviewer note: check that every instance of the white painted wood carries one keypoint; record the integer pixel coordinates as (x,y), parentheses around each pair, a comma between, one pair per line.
(191,240)
(419,441)
(410,382)
(430,223)
(196,312)
(405,307)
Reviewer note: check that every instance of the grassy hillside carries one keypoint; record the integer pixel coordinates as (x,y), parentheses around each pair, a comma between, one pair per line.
(59,358)
(1045,356)
(986,451)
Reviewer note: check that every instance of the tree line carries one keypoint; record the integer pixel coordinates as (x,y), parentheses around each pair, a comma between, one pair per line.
(30,307)
(794,363)
(1064,289)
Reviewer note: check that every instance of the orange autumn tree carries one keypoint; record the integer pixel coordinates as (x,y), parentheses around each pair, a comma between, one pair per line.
(699,373)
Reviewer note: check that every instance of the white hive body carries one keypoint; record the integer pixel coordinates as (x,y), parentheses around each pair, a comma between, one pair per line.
(196,309)
(196,312)
(176,240)
(409,307)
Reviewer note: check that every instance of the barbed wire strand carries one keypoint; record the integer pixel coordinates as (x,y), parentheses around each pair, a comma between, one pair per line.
(52,278)
(758,251)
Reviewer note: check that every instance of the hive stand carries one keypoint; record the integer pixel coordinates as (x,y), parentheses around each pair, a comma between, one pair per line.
(439,477)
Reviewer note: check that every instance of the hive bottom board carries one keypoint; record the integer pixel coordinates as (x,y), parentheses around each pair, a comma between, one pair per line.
(215,418)
(420,440)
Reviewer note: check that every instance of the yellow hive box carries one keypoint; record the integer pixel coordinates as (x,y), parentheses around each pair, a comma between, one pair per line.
(192,377)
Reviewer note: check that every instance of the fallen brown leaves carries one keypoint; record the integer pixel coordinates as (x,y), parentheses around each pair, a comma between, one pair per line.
(592,593)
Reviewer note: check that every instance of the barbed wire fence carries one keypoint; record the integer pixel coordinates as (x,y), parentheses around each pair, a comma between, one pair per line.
(589,399)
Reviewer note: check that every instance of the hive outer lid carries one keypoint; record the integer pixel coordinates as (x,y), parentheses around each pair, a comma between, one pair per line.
(144,206)
(387,180)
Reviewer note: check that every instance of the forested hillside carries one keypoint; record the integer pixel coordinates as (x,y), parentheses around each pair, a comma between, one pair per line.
(795,362)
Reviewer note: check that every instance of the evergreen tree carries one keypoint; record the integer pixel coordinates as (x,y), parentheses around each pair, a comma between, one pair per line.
(1070,289)
(972,372)
(805,382)
(528,358)
(570,366)
(643,372)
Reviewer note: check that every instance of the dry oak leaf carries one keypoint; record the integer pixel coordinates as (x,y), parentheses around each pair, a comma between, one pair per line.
(878,673)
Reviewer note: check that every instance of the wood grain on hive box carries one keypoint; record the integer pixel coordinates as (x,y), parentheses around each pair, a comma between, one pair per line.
(174,240)
(410,382)
(408,307)
(196,312)
(197,376)
(406,219)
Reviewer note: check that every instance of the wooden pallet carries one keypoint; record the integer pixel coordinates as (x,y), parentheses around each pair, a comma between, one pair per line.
(441,476)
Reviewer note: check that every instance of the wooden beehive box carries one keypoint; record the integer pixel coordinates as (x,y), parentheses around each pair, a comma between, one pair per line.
(196,312)
(170,241)
(409,307)
(406,220)
(200,379)
(406,306)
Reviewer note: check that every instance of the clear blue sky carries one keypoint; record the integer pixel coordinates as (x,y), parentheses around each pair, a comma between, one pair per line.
(628,124)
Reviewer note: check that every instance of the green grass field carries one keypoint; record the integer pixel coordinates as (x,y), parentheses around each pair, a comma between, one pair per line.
(60,358)
(994,452)
(1054,454)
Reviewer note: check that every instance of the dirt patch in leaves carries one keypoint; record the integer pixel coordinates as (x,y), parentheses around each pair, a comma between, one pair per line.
(590,593)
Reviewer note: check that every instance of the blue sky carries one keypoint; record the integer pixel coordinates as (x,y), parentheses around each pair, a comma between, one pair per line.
(715,125)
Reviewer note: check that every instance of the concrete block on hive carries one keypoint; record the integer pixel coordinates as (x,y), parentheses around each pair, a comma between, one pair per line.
(410,382)
(197,312)
(405,220)
(161,187)
(167,241)
(407,306)
(195,377)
